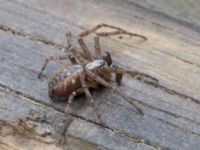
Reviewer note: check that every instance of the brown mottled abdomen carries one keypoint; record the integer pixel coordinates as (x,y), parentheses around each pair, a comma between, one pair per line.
(64,82)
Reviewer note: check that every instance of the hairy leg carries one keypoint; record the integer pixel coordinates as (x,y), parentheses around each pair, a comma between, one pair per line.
(69,39)
(135,74)
(51,58)
(85,49)
(113,89)
(97,47)
(67,118)
(88,94)
(76,55)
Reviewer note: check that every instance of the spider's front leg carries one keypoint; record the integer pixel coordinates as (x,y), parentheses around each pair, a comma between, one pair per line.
(113,89)
(119,72)
(88,94)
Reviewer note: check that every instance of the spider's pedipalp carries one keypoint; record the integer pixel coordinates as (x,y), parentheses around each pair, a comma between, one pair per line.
(107,58)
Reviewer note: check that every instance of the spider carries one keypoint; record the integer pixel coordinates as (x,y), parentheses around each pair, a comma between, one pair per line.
(88,71)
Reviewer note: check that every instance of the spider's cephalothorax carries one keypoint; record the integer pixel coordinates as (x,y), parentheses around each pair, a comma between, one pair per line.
(67,82)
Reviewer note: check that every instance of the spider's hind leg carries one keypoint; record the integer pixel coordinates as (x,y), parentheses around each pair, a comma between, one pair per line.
(67,118)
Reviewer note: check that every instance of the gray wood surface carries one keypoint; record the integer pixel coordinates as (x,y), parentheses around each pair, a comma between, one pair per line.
(32,30)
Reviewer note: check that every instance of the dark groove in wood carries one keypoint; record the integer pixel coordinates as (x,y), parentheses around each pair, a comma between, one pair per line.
(31,36)
(161,110)
(172,92)
(179,58)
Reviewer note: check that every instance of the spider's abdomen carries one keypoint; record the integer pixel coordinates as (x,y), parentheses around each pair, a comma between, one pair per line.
(67,80)
(64,82)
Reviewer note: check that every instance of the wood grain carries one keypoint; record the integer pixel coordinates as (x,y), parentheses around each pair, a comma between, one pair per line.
(33,30)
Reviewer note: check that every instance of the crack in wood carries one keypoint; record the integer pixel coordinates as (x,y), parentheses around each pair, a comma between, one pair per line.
(172,92)
(166,112)
(124,134)
(177,127)
(179,58)
(31,36)
(157,109)
(173,56)
(24,129)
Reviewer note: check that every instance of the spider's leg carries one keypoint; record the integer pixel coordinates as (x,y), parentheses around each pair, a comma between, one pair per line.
(113,89)
(88,94)
(85,49)
(135,74)
(67,118)
(119,31)
(69,39)
(63,57)
(87,54)
(142,76)
(97,47)
(76,55)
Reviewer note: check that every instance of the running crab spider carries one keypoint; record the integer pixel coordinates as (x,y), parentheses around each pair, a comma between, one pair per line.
(68,82)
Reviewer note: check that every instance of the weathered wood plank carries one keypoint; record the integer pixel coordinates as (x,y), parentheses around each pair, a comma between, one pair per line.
(171,108)
(175,9)
(136,126)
